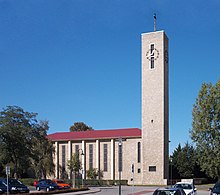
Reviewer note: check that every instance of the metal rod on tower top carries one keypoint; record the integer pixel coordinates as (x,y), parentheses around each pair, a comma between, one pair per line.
(155,19)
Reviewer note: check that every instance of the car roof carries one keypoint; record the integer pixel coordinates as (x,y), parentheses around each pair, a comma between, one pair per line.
(164,188)
(183,182)
(217,183)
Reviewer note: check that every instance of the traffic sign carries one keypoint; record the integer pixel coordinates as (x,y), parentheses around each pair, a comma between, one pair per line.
(7,170)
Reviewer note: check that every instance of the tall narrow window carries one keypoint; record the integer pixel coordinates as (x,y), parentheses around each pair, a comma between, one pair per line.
(77,149)
(63,158)
(139,152)
(105,157)
(90,156)
(152,56)
(120,158)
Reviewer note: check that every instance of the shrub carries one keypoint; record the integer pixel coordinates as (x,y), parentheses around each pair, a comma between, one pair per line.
(94,182)
(28,181)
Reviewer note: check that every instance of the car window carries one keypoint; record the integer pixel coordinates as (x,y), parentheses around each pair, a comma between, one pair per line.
(184,186)
(162,193)
(2,184)
(187,186)
(217,186)
(14,182)
(167,192)
(178,186)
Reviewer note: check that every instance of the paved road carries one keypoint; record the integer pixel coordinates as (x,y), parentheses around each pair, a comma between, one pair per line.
(126,190)
(138,190)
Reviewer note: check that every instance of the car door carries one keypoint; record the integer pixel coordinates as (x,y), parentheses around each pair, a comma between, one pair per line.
(43,185)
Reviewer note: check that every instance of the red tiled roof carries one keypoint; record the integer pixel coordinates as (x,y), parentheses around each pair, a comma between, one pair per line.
(95,134)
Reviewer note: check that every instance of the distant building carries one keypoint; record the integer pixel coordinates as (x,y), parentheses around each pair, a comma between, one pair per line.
(146,149)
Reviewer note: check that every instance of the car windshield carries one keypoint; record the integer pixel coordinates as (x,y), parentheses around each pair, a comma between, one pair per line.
(217,186)
(14,182)
(49,182)
(184,186)
(2,184)
(60,181)
(167,192)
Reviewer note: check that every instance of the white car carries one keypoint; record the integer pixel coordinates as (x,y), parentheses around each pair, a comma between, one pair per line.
(188,188)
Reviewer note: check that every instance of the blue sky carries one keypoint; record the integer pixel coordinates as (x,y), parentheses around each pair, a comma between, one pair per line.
(80,60)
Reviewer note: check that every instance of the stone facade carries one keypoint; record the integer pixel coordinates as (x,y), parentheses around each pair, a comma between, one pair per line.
(155,114)
(110,172)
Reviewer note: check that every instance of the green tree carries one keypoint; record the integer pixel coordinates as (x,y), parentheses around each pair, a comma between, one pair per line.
(173,173)
(74,165)
(205,131)
(92,173)
(80,126)
(17,129)
(184,160)
(23,142)
(43,151)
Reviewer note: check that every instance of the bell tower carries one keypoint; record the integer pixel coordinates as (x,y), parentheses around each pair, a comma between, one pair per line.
(155,108)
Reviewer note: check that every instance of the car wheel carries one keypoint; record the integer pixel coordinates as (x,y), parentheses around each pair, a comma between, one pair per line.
(47,189)
(38,189)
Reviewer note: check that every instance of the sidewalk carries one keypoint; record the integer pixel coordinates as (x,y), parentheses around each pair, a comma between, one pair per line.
(90,191)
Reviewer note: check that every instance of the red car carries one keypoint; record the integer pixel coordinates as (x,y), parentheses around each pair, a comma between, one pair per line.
(61,183)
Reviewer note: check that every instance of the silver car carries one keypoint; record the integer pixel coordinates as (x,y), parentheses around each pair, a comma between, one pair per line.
(169,191)
(188,188)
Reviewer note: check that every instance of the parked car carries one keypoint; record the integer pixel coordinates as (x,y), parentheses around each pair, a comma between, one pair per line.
(37,181)
(3,188)
(46,184)
(215,190)
(61,184)
(169,191)
(15,186)
(188,188)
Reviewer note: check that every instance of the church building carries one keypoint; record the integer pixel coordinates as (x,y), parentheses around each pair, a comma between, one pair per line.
(115,152)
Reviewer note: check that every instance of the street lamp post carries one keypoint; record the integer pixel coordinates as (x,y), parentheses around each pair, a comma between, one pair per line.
(169,164)
(171,171)
(120,162)
(7,168)
(82,167)
(82,177)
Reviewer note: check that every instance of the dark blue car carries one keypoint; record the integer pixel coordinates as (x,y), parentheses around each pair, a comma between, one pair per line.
(3,188)
(216,189)
(15,186)
(47,184)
